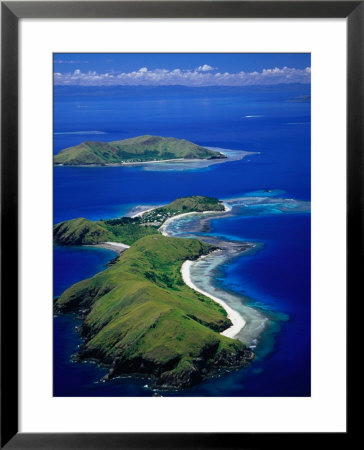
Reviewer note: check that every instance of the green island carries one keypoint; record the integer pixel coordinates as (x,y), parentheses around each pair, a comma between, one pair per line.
(140,317)
(134,150)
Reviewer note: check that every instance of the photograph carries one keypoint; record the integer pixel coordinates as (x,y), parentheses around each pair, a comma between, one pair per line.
(181,198)
(181,225)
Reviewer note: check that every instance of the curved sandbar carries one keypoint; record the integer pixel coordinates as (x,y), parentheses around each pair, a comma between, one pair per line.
(237,321)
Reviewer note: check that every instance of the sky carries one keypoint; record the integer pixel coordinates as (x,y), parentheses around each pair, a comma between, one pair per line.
(186,69)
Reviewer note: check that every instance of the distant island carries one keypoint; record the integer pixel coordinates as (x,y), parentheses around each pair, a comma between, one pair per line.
(140,317)
(132,151)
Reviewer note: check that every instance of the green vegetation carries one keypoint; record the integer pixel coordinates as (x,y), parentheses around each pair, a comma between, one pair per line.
(128,230)
(84,232)
(141,318)
(184,205)
(138,149)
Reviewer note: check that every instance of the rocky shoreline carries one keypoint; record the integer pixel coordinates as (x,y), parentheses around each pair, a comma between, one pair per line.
(162,376)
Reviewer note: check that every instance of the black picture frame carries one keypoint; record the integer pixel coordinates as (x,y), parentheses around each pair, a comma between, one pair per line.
(11,12)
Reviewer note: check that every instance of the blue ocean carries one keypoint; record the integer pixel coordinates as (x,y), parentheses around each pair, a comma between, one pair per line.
(269,190)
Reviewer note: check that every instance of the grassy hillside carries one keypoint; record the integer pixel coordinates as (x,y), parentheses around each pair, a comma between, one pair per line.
(142,318)
(80,231)
(128,230)
(85,232)
(138,149)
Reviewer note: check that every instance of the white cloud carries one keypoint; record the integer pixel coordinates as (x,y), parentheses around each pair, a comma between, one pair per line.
(205,68)
(197,77)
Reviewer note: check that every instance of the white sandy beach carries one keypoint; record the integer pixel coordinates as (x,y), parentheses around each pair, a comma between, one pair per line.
(227,207)
(117,247)
(143,212)
(164,226)
(237,321)
(136,163)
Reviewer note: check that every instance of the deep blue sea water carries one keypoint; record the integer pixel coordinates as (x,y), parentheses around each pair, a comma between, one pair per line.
(276,278)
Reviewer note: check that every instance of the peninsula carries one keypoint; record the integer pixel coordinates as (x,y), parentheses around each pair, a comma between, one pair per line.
(127,230)
(132,151)
(140,317)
